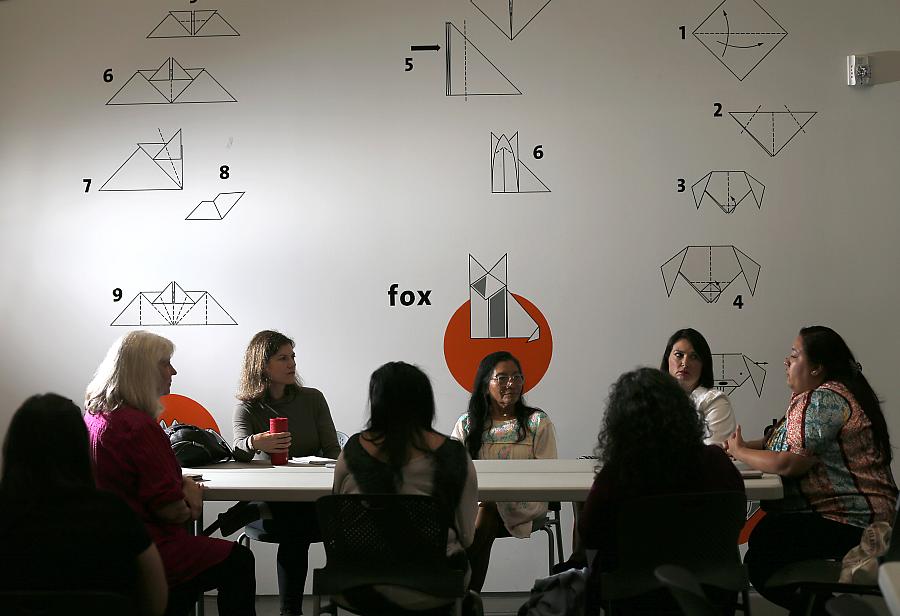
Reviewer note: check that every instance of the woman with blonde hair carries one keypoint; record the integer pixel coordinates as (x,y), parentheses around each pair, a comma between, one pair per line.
(270,387)
(133,459)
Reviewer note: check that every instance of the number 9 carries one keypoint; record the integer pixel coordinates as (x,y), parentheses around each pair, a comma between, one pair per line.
(117,294)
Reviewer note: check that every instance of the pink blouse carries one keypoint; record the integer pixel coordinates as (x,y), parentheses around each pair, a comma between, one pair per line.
(133,459)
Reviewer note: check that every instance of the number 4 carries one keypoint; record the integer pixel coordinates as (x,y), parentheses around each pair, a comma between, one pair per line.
(738,301)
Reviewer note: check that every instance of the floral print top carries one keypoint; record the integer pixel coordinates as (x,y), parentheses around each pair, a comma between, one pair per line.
(851,483)
(499,443)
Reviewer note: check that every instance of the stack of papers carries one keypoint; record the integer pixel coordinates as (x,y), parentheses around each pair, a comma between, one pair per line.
(313,461)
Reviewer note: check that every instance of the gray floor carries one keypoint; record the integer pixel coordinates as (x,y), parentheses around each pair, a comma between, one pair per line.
(495,604)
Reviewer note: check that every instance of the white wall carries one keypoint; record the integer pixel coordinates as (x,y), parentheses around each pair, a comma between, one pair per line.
(358,175)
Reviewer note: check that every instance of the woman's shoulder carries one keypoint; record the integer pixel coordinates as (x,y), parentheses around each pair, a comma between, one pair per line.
(537,418)
(831,393)
(310,395)
(707,395)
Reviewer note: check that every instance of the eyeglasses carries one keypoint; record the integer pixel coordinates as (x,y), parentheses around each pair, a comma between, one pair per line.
(503,379)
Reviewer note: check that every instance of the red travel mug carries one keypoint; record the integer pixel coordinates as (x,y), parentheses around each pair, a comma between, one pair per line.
(278,424)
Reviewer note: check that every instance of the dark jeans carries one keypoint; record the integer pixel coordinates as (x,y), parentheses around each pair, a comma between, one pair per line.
(234,578)
(298,526)
(783,538)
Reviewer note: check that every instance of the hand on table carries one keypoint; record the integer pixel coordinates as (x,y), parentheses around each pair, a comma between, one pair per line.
(734,443)
(272,442)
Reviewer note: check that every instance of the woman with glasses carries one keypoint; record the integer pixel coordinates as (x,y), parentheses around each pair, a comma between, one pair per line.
(500,426)
(687,358)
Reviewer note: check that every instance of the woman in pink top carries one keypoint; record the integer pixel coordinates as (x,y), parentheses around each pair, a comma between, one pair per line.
(133,459)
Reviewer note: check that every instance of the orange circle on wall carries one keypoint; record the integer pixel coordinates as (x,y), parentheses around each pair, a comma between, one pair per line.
(186,411)
(463,353)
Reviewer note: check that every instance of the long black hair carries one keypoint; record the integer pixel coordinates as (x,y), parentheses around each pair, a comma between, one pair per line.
(651,436)
(480,403)
(700,347)
(401,409)
(824,347)
(46,450)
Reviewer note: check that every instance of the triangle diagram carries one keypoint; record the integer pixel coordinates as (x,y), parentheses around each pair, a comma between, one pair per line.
(739,34)
(205,210)
(140,311)
(140,172)
(476,270)
(524,12)
(757,374)
(750,269)
(206,311)
(670,270)
(510,16)
(757,188)
(171,150)
(137,91)
(212,25)
(175,24)
(225,201)
(170,69)
(204,89)
(529,182)
(171,89)
(772,130)
(480,286)
(521,324)
(470,72)
(172,294)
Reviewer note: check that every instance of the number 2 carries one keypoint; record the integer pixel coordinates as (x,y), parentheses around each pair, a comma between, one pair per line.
(718,112)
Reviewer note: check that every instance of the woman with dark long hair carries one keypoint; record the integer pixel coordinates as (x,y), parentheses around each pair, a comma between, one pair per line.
(399,452)
(687,358)
(833,453)
(500,426)
(271,387)
(58,531)
(650,443)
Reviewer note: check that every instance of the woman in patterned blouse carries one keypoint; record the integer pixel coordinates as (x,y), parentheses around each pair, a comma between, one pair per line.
(833,453)
(499,426)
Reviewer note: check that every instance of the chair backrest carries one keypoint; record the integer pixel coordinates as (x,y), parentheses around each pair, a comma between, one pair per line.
(52,602)
(686,591)
(342,439)
(680,529)
(382,530)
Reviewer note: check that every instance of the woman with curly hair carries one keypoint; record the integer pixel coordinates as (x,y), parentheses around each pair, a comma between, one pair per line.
(650,443)
(500,426)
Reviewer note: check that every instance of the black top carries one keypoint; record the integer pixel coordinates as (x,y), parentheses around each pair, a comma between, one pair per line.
(84,540)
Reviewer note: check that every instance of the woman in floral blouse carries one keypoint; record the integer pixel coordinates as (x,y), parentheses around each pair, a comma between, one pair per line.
(499,426)
(833,453)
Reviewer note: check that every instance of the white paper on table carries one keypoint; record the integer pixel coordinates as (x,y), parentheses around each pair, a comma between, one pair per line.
(313,460)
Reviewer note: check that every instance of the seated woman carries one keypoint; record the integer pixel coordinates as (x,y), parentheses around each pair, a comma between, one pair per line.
(650,443)
(688,359)
(57,530)
(400,453)
(270,387)
(500,426)
(833,454)
(133,459)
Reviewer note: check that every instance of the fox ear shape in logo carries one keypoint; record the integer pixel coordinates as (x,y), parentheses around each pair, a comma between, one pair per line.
(179,409)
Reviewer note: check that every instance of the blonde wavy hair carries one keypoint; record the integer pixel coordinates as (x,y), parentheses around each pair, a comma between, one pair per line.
(254,382)
(130,374)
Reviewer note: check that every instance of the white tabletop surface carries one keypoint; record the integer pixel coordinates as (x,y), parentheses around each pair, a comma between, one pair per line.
(889,583)
(498,480)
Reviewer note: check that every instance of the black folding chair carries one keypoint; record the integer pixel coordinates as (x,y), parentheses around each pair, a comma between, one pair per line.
(384,539)
(52,602)
(698,532)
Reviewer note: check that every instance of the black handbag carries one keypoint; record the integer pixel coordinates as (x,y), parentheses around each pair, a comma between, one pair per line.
(194,446)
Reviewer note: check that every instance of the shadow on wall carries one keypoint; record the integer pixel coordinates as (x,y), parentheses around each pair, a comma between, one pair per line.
(885,67)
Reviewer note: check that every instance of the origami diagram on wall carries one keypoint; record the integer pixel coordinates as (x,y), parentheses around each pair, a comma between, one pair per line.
(510,16)
(728,189)
(772,130)
(508,173)
(740,34)
(731,370)
(710,269)
(173,306)
(470,72)
(180,24)
(495,313)
(171,83)
(152,166)
(217,209)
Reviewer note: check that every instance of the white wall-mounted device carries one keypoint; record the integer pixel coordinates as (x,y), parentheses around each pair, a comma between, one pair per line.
(859,71)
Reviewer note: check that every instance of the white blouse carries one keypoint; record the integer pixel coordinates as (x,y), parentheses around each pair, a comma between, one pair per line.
(715,408)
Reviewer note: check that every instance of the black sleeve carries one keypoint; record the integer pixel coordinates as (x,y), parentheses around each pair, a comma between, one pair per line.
(121,524)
